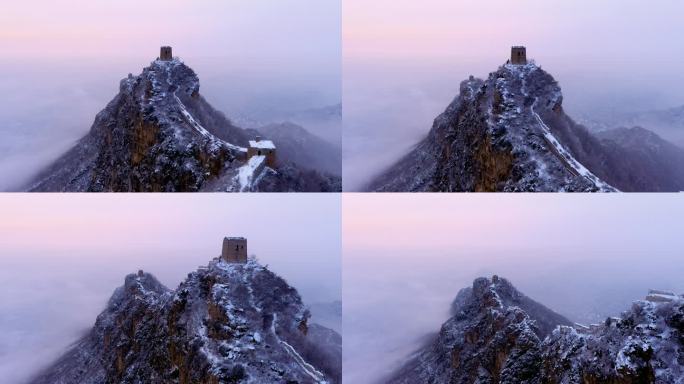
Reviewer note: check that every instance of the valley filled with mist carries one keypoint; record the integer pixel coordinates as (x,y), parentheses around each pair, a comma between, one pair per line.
(56,78)
(397,82)
(63,259)
(584,259)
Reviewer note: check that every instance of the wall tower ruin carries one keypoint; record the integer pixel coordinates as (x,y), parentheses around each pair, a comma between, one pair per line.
(261,147)
(518,55)
(166,54)
(234,249)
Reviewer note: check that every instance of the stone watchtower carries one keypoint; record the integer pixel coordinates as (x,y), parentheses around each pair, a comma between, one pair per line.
(234,249)
(260,147)
(166,54)
(518,55)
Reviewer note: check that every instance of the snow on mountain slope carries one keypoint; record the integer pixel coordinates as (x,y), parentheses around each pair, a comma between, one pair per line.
(248,173)
(159,134)
(225,323)
(498,335)
(490,338)
(643,345)
(505,133)
(573,165)
(213,139)
(144,140)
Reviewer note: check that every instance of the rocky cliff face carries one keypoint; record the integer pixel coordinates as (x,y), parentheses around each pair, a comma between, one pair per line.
(498,335)
(227,323)
(644,345)
(157,134)
(490,339)
(509,133)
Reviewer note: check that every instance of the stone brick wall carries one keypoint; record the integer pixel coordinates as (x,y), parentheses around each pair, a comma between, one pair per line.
(166,54)
(269,153)
(518,55)
(234,250)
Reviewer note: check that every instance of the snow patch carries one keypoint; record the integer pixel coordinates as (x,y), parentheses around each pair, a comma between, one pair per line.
(248,173)
(576,166)
(316,375)
(262,144)
(309,369)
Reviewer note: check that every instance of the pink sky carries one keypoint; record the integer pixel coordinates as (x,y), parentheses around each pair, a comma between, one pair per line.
(62,61)
(62,255)
(453,224)
(295,233)
(407,255)
(404,60)
(429,29)
(224,28)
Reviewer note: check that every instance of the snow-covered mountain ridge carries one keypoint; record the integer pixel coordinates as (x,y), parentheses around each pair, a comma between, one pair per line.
(498,335)
(509,132)
(226,323)
(160,134)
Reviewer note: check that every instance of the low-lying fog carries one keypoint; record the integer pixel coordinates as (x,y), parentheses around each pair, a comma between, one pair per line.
(401,73)
(406,258)
(46,110)
(62,257)
(258,62)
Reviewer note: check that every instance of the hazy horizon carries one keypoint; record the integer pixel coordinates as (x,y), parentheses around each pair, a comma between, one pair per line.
(402,69)
(406,256)
(64,254)
(62,64)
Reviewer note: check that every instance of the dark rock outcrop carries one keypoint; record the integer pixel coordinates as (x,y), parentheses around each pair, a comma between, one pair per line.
(158,135)
(227,323)
(490,339)
(510,133)
(644,345)
(498,335)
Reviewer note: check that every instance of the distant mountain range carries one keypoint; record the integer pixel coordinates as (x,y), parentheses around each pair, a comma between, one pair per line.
(226,323)
(509,132)
(647,162)
(324,122)
(159,134)
(667,123)
(498,335)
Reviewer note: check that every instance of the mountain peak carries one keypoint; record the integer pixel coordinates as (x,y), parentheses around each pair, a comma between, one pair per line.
(507,132)
(493,335)
(141,282)
(173,76)
(495,291)
(162,79)
(226,322)
(159,134)
(497,334)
